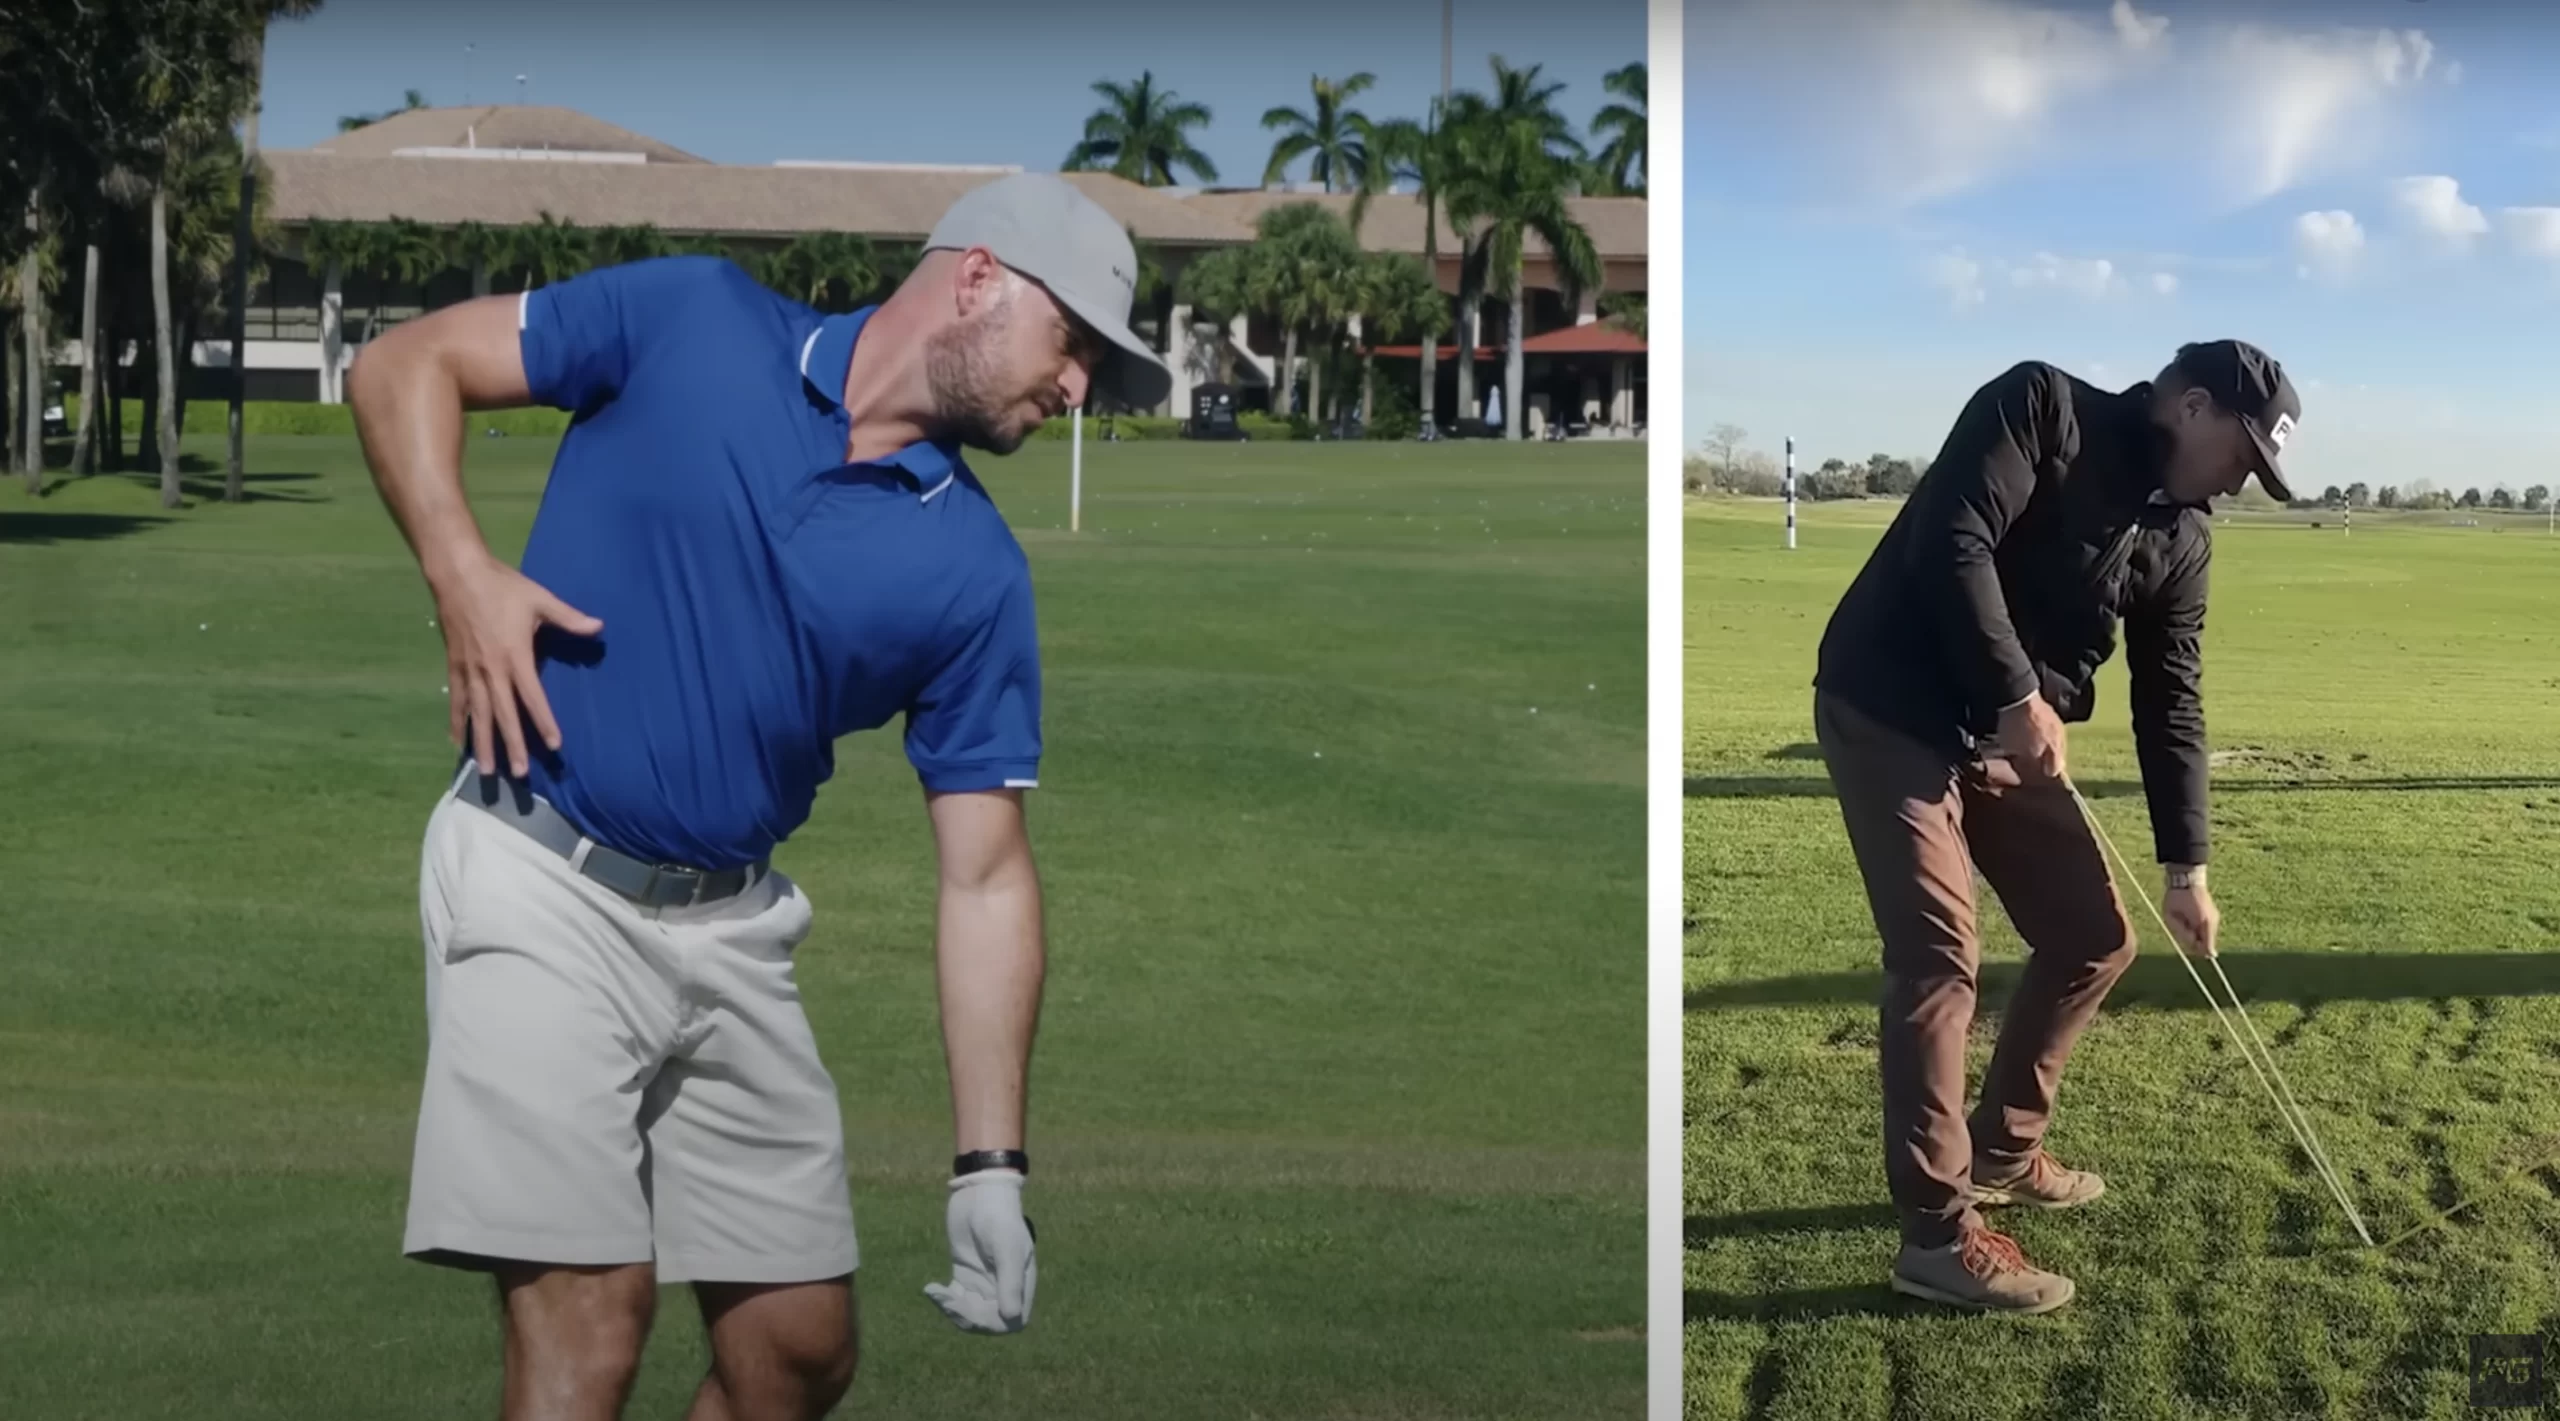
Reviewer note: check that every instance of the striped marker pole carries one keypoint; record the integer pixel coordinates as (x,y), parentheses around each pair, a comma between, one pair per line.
(1075,476)
(1791,493)
(2347,516)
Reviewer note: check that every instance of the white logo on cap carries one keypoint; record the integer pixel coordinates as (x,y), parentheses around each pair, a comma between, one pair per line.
(2284,426)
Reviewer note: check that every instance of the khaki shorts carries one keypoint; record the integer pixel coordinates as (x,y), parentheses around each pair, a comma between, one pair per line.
(613,1084)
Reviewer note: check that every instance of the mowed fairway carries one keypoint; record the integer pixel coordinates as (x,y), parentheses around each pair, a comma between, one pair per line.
(2385,835)
(1337,1103)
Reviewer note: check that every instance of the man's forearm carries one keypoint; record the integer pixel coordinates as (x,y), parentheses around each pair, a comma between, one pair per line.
(990,957)
(409,417)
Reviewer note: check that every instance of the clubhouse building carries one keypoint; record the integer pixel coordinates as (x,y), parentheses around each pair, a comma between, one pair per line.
(510,166)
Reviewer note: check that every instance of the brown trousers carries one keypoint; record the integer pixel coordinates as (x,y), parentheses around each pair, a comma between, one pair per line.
(1919,827)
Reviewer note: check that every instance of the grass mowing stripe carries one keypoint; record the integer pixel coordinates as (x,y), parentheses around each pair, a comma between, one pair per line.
(1340,1082)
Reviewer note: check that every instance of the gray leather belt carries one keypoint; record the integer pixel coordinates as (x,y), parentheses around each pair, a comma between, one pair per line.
(653,885)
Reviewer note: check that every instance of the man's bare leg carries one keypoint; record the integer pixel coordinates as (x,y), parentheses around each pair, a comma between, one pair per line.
(574,1338)
(779,1352)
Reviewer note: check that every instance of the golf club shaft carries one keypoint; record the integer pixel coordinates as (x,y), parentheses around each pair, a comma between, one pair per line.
(2432,1220)
(2298,1124)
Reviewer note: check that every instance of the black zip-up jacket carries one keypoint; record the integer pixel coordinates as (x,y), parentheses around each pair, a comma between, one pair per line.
(2040,525)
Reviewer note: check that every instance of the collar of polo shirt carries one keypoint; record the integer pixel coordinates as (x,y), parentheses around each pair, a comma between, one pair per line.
(826,355)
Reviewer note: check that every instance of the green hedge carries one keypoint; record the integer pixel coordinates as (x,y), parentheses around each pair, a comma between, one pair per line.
(1153,426)
(295,417)
(264,417)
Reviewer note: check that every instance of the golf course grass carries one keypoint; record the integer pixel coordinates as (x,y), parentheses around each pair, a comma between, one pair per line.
(2385,824)
(1337,1104)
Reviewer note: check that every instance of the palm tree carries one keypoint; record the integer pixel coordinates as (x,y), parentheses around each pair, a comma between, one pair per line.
(550,250)
(214,97)
(474,247)
(1424,155)
(1520,97)
(702,244)
(1218,287)
(1515,186)
(1521,103)
(412,253)
(202,193)
(369,256)
(1400,299)
(1142,133)
(1620,165)
(255,18)
(1624,309)
(832,271)
(1334,135)
(408,101)
(614,246)
(1307,256)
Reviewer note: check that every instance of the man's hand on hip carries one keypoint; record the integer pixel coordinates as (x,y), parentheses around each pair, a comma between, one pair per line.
(2188,905)
(2031,738)
(994,1266)
(489,613)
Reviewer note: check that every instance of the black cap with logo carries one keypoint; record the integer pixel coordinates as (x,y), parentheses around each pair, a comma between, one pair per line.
(2249,383)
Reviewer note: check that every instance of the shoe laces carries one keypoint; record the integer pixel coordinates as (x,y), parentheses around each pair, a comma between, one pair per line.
(1987,1253)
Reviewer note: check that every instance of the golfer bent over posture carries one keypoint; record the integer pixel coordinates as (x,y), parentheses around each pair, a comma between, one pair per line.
(758,536)
(1972,635)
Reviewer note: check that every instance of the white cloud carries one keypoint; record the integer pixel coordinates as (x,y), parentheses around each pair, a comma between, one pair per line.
(2435,204)
(1960,276)
(2313,100)
(1919,99)
(1968,280)
(2328,243)
(2091,277)
(2534,230)
(1922,99)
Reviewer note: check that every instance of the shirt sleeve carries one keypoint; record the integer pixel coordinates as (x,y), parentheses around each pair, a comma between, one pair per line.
(2164,644)
(1977,486)
(976,725)
(582,338)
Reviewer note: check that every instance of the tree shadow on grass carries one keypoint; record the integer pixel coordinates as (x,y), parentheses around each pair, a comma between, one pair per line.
(46,529)
(202,481)
(1819,786)
(2157,982)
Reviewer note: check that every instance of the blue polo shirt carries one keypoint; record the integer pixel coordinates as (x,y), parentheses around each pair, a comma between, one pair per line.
(761,597)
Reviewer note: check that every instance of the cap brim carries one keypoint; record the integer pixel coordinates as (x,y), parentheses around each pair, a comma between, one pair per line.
(1131,373)
(2270,473)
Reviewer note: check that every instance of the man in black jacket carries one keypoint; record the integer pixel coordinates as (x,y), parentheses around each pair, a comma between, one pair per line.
(2055,510)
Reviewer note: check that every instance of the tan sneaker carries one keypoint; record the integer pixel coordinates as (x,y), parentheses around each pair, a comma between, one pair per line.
(1984,1271)
(2040,1183)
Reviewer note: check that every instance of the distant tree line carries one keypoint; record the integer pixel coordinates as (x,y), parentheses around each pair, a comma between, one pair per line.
(1725,465)
(2421,495)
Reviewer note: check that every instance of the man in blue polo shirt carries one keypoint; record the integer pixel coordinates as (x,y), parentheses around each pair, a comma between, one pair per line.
(758,536)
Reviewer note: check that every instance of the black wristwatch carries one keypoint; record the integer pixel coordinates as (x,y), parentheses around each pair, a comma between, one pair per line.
(976,1161)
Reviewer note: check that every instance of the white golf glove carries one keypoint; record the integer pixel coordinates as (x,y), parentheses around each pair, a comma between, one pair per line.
(993,1268)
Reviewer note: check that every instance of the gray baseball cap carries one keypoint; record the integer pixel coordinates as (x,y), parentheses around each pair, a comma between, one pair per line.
(1043,227)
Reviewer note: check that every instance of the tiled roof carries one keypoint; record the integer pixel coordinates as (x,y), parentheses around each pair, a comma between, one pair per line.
(498,126)
(890,204)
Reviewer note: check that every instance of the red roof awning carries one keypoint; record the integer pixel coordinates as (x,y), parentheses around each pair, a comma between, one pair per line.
(1594,338)
(1591,338)
(1446,352)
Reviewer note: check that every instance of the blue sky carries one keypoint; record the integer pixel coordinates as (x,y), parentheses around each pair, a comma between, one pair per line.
(1889,201)
(752,81)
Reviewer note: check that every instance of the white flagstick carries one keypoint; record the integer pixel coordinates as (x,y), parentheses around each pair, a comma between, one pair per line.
(2301,1126)
(1075,478)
